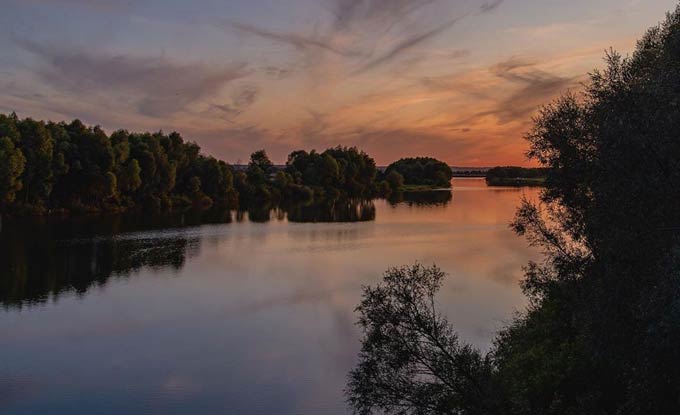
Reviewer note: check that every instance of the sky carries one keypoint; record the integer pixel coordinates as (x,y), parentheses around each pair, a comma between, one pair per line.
(458,80)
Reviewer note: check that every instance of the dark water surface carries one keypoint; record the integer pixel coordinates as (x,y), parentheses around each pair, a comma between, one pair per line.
(234,313)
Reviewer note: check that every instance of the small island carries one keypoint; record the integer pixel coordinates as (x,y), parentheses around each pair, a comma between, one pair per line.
(418,174)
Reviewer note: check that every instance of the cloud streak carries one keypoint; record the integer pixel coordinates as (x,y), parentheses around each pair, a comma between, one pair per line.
(359,30)
(157,86)
(376,13)
(537,87)
(299,42)
(277,72)
(100,5)
(394,77)
(405,45)
(489,6)
(241,99)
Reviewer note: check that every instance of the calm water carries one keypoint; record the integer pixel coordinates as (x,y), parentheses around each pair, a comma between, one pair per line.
(236,316)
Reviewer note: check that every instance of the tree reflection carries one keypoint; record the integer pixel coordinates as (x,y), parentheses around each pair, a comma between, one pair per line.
(44,259)
(422,198)
(333,210)
(260,214)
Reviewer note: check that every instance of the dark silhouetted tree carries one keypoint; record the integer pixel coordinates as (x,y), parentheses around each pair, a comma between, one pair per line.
(411,360)
(422,171)
(601,333)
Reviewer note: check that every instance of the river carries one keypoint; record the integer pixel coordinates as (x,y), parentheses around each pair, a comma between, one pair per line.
(228,315)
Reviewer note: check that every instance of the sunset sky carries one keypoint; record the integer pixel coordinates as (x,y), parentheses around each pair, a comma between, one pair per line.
(455,79)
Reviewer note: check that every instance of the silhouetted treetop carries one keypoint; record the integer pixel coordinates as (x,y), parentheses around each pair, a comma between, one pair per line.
(422,171)
(601,332)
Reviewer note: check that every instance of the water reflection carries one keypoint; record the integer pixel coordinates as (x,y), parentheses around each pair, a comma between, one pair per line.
(343,210)
(42,259)
(424,198)
(199,314)
(256,214)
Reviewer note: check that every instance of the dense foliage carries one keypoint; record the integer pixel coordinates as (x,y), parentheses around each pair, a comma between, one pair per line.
(70,167)
(341,169)
(602,330)
(340,172)
(59,166)
(422,171)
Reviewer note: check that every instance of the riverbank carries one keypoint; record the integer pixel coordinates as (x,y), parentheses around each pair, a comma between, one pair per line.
(516,181)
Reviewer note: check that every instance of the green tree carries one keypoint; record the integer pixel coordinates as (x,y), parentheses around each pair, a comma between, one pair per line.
(283,180)
(76,167)
(12,164)
(601,333)
(8,127)
(329,171)
(411,360)
(194,186)
(395,180)
(422,171)
(256,176)
(261,160)
(36,145)
(217,180)
(129,176)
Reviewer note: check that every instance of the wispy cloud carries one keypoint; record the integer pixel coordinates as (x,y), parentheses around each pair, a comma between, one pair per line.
(241,99)
(156,86)
(300,42)
(490,5)
(378,14)
(277,72)
(365,34)
(101,5)
(537,87)
(245,96)
(425,83)
(459,53)
(405,45)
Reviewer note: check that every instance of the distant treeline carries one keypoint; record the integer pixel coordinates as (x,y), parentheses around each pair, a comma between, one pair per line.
(516,176)
(471,172)
(70,167)
(340,172)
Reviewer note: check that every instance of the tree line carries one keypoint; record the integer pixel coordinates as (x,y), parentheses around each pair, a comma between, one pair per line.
(601,332)
(71,167)
(516,176)
(48,166)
